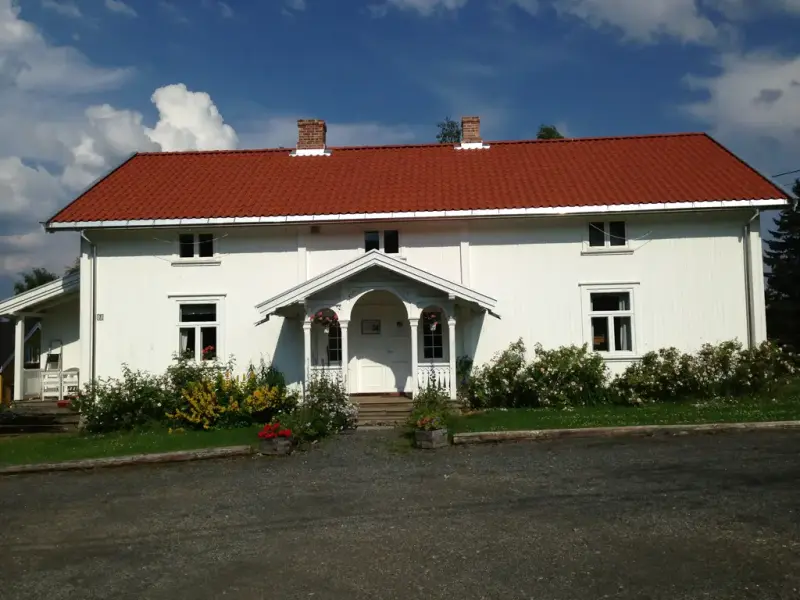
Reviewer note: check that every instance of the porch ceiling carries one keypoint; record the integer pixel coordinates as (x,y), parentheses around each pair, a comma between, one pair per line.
(373,258)
(41,297)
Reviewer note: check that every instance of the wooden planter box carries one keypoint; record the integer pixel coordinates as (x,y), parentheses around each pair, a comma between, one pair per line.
(431,439)
(276,446)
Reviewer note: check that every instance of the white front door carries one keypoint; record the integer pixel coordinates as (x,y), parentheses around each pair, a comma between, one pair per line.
(381,348)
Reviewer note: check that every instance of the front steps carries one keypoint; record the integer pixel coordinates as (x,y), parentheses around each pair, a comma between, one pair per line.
(382,409)
(38,416)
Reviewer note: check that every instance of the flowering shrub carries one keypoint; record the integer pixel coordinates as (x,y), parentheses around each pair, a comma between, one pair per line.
(663,376)
(228,401)
(502,382)
(430,402)
(117,404)
(326,409)
(270,431)
(430,422)
(566,376)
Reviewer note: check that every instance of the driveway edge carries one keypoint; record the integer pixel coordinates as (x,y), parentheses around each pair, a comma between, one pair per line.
(482,437)
(135,459)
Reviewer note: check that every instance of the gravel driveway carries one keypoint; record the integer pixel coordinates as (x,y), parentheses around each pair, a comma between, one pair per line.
(364,518)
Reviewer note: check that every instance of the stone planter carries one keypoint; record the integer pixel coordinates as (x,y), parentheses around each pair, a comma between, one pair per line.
(275,446)
(431,439)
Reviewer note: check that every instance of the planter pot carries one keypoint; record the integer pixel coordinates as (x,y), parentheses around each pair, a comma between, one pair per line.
(276,446)
(431,439)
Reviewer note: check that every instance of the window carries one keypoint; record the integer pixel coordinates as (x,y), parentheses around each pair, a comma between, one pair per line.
(194,245)
(607,234)
(198,331)
(390,239)
(432,336)
(611,318)
(335,343)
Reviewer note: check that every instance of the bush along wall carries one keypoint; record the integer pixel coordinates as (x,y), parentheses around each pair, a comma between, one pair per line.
(574,376)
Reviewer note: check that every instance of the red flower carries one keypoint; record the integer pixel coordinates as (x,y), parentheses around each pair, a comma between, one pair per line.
(272,431)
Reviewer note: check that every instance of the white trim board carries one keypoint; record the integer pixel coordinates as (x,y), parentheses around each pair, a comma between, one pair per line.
(371,259)
(43,293)
(438,214)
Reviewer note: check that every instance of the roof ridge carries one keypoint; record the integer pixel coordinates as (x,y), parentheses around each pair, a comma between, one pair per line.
(432,144)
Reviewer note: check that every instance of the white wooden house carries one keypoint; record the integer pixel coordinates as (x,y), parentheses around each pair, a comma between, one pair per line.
(423,253)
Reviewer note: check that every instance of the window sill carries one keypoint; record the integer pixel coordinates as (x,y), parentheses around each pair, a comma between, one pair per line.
(196,262)
(619,357)
(618,250)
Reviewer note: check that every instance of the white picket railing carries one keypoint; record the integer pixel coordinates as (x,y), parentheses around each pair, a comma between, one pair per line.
(331,371)
(437,373)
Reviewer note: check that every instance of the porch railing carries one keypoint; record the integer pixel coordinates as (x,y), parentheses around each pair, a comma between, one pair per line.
(329,370)
(436,373)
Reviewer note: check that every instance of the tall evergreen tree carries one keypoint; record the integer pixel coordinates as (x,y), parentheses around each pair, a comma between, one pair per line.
(549,132)
(783,277)
(449,132)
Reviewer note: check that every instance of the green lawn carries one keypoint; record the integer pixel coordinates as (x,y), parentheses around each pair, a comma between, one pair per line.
(783,408)
(41,448)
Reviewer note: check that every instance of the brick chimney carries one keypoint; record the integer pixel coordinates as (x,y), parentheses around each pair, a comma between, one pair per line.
(311,134)
(471,130)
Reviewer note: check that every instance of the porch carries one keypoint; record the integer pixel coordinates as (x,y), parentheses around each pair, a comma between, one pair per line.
(46,345)
(382,326)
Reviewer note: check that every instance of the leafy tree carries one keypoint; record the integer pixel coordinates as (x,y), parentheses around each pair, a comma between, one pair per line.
(74,267)
(549,132)
(783,278)
(449,132)
(32,279)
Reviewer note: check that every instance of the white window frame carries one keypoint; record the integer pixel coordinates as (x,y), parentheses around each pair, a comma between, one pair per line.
(219,301)
(634,312)
(196,259)
(334,328)
(382,242)
(606,248)
(433,335)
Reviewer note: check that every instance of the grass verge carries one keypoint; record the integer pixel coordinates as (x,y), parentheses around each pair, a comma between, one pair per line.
(716,411)
(47,448)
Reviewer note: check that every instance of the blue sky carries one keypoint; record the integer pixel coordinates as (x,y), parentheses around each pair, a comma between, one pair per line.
(85,82)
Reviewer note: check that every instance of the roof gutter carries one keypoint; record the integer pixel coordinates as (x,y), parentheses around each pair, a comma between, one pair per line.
(51,226)
(748,280)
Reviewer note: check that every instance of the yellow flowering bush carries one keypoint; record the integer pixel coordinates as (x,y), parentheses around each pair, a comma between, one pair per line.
(230,401)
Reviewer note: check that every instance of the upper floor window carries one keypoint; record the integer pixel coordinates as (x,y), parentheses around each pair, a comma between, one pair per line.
(388,240)
(196,245)
(606,234)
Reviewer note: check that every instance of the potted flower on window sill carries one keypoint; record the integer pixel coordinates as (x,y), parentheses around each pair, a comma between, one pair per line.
(274,440)
(325,320)
(430,432)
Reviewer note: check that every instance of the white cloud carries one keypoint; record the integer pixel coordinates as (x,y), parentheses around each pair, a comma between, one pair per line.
(225,10)
(645,21)
(118,6)
(64,7)
(295,4)
(189,121)
(51,145)
(753,103)
(422,7)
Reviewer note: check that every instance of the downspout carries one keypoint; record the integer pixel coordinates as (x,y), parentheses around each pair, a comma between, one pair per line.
(93,310)
(748,279)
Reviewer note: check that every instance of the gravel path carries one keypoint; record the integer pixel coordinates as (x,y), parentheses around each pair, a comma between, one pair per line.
(363,517)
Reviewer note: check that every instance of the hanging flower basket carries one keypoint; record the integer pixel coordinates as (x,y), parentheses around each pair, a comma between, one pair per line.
(430,320)
(326,320)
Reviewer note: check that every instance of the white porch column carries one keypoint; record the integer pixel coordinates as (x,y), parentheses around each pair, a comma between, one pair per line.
(19,358)
(451,329)
(343,326)
(307,350)
(414,351)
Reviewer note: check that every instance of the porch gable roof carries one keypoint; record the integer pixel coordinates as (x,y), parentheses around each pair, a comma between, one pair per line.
(373,258)
(38,295)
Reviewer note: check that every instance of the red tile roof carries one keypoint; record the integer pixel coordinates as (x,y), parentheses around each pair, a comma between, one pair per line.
(531,174)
